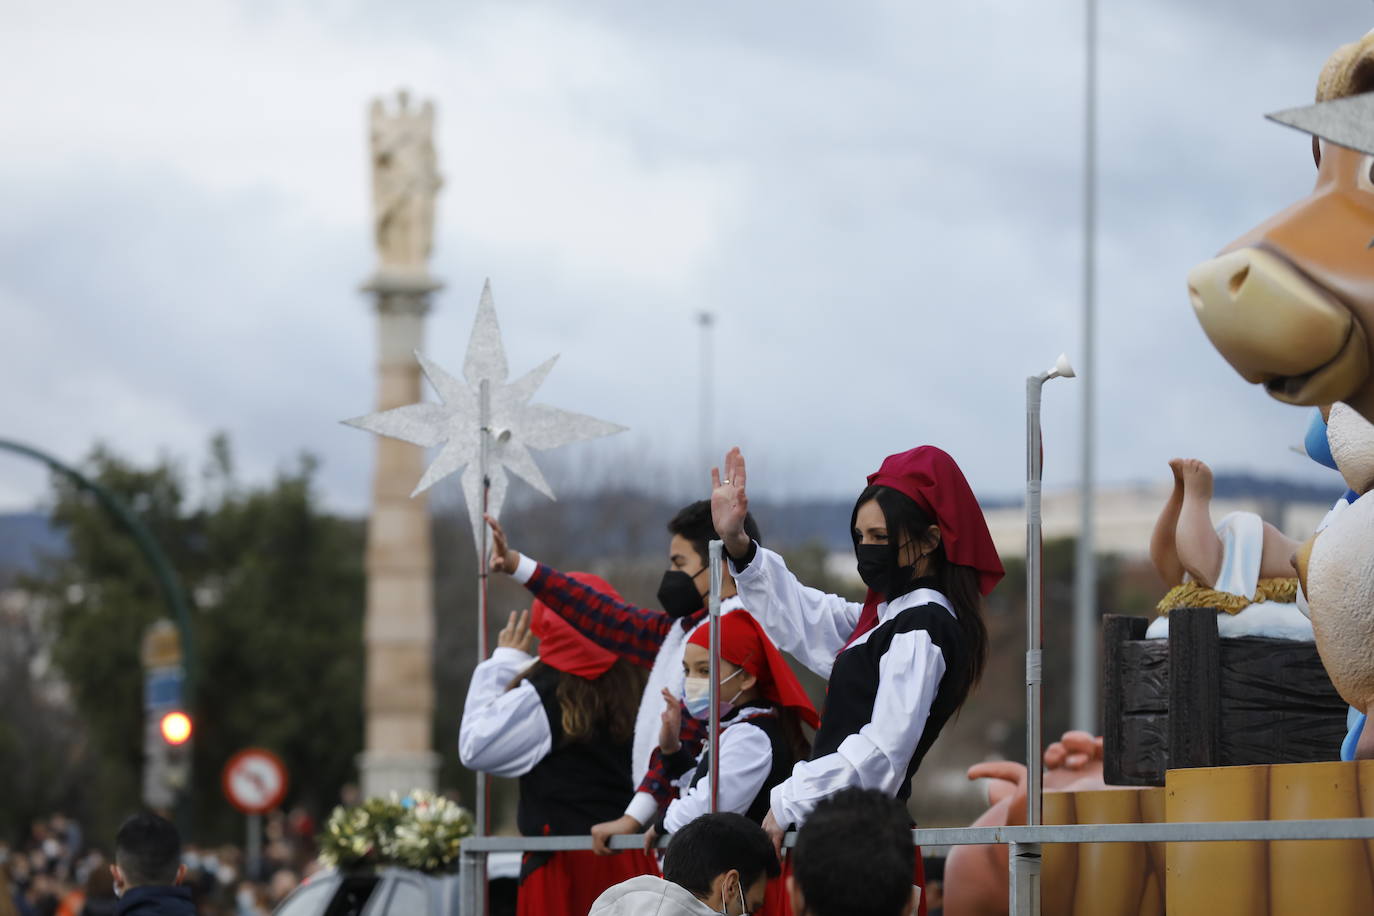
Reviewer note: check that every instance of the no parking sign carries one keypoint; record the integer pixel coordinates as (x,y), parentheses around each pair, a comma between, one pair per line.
(254,780)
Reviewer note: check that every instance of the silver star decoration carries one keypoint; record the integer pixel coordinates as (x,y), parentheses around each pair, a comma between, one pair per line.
(1346,122)
(517,426)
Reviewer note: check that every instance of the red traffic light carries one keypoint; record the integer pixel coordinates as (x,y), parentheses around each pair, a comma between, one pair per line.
(175,728)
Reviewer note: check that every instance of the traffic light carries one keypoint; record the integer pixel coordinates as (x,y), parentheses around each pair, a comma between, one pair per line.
(167,725)
(175,728)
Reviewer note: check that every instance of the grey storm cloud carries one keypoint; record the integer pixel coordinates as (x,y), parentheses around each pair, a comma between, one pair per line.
(879,201)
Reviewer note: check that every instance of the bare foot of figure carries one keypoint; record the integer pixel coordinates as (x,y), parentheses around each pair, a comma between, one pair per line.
(1199,548)
(1163,550)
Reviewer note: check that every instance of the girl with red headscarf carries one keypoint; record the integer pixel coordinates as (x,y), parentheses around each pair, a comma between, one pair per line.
(563,724)
(901,663)
(762,710)
(763,706)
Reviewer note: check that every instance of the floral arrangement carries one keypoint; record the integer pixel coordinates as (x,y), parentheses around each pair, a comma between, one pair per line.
(422,831)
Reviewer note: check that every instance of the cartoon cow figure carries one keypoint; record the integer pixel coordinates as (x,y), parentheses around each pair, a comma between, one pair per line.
(1290,305)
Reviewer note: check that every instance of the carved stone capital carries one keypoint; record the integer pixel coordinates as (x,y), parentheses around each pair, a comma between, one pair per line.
(402,293)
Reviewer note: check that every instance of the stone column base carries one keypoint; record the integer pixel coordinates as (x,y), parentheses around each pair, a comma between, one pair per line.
(382,772)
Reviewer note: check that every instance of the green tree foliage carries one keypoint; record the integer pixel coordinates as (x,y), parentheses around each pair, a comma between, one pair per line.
(276,587)
(43,756)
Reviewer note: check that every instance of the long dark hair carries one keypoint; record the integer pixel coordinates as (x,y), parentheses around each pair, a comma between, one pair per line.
(906,522)
(794,733)
(611,700)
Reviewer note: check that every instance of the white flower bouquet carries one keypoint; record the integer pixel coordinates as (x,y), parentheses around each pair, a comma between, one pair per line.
(420,831)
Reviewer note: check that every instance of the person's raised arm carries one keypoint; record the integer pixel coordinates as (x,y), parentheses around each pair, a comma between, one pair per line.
(633,633)
(807,622)
(505,732)
(730,506)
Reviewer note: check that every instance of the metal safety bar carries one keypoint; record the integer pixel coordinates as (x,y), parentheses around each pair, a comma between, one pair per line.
(1024,841)
(1351,828)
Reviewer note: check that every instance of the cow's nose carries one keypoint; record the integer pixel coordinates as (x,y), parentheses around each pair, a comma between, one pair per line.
(1267,318)
(1237,281)
(1234,284)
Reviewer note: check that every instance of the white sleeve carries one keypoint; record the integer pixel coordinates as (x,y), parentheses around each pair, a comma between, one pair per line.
(877,755)
(524,570)
(504,732)
(804,621)
(642,807)
(746,757)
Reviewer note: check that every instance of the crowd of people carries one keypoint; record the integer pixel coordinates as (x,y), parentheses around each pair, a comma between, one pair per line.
(853,857)
(59,870)
(604,720)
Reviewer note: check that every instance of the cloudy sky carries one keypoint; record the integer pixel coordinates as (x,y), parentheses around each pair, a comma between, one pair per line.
(879,201)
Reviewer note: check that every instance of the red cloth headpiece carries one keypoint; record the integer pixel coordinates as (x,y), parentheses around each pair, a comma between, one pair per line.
(561,646)
(931,478)
(743,643)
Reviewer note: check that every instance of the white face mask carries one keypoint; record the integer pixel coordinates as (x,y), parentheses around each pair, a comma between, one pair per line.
(696,696)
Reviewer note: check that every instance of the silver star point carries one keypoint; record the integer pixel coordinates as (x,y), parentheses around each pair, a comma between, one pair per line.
(517,426)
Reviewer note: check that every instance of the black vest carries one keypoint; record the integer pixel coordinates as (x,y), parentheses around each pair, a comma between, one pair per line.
(766,718)
(854,682)
(578,783)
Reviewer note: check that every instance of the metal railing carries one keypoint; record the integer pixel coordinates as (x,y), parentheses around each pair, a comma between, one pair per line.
(1024,842)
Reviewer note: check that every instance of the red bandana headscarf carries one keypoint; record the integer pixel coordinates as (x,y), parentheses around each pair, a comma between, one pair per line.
(929,477)
(743,643)
(561,646)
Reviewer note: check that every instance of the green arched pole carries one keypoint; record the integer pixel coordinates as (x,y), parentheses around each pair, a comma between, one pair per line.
(172,592)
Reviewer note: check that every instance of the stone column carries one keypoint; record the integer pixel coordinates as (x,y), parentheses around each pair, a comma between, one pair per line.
(399,627)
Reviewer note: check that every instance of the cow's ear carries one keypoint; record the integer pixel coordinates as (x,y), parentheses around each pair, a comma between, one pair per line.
(1316,151)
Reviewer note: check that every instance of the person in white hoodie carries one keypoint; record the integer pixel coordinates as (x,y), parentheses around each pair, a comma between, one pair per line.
(718,865)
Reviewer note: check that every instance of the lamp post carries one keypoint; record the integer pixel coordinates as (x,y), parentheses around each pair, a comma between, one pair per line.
(1025,863)
(707,321)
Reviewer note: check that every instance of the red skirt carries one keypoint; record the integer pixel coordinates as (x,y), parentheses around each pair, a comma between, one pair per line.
(776,901)
(921,881)
(570,881)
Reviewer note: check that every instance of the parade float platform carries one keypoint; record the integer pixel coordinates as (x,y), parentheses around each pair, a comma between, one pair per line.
(1197,700)
(1247,878)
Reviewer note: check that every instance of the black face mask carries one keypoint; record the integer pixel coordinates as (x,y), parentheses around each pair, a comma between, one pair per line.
(678,594)
(880,572)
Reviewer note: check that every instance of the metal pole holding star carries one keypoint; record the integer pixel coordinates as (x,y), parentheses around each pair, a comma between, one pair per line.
(484,426)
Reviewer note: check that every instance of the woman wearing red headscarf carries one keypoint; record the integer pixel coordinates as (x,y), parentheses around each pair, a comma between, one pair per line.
(901,663)
(563,724)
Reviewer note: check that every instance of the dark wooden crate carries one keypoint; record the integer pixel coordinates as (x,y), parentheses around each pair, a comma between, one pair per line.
(1195,700)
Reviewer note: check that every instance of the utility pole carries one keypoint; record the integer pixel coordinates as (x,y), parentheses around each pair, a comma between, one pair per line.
(709,454)
(1085,616)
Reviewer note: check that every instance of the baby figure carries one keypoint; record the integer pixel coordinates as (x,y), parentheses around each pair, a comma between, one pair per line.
(1245,562)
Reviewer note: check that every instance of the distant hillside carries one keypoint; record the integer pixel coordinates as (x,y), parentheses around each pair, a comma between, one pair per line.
(24,538)
(1227,486)
(1239,486)
(631,524)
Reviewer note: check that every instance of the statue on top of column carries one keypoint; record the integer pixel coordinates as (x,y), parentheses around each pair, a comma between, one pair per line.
(405,181)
